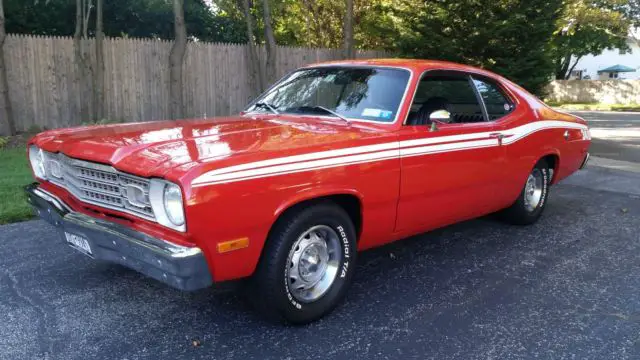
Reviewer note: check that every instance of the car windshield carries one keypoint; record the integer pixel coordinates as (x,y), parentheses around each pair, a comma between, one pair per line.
(362,93)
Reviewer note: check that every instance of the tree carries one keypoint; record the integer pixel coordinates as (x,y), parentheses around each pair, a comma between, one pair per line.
(589,27)
(6,111)
(176,58)
(270,43)
(98,91)
(311,23)
(254,61)
(126,18)
(349,52)
(500,35)
(321,23)
(83,63)
(38,17)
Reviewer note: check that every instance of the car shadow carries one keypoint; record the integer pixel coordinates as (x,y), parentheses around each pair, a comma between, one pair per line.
(435,256)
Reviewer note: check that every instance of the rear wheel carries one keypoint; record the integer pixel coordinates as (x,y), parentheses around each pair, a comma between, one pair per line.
(533,197)
(307,264)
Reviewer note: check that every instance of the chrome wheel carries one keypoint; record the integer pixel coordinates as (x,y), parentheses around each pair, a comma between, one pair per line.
(533,190)
(313,263)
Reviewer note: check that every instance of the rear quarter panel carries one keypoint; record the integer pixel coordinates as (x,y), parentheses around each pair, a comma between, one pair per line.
(525,153)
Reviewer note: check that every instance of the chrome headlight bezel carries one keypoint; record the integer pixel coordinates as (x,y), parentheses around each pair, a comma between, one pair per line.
(167,203)
(36,160)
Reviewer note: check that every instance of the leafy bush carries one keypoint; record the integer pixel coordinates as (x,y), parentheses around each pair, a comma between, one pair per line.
(3,142)
(632,107)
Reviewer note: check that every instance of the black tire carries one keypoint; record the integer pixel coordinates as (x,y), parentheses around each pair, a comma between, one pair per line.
(520,213)
(269,287)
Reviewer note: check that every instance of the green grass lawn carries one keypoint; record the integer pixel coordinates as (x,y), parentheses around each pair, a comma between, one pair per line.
(14,174)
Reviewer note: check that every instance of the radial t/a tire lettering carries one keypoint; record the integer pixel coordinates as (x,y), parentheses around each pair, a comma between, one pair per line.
(532,200)
(307,264)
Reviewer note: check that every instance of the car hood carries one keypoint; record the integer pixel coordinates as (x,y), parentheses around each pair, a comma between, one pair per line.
(171,148)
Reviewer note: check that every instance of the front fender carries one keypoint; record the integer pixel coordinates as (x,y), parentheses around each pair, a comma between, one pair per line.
(312,194)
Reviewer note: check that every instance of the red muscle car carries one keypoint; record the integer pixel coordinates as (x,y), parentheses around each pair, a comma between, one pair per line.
(333,159)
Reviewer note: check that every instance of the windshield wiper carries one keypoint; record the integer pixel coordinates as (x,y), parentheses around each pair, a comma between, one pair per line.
(318,107)
(267,106)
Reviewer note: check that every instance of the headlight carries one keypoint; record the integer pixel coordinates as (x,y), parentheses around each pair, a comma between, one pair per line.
(167,204)
(173,204)
(36,158)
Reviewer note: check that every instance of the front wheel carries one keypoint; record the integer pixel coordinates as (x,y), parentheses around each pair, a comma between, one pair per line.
(533,197)
(307,264)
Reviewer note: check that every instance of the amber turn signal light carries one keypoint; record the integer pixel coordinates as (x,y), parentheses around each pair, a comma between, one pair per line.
(231,245)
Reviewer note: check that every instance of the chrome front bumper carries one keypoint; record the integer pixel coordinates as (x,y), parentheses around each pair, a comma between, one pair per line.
(181,267)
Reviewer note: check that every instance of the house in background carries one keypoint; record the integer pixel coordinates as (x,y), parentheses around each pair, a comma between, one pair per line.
(604,66)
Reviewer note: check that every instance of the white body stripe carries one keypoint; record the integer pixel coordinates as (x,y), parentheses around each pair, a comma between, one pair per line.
(307,157)
(415,151)
(445,139)
(306,165)
(528,129)
(370,153)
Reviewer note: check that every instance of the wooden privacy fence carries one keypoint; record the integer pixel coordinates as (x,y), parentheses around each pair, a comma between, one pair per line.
(45,91)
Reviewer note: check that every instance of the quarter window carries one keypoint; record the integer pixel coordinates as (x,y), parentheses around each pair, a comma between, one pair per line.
(495,101)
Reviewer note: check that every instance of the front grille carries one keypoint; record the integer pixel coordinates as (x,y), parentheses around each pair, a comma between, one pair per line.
(98,184)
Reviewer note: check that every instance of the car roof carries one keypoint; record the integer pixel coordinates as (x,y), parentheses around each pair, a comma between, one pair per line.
(417,65)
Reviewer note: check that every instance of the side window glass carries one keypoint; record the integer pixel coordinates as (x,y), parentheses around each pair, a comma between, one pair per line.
(497,104)
(444,93)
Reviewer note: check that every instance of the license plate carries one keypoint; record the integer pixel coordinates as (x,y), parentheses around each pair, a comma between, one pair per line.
(78,242)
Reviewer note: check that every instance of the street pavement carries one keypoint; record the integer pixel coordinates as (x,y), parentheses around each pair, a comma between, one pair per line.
(564,288)
(616,135)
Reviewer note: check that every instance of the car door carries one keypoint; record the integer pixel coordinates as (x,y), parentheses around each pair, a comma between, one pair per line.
(505,115)
(450,168)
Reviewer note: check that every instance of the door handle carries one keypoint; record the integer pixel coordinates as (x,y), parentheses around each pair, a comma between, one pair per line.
(498,136)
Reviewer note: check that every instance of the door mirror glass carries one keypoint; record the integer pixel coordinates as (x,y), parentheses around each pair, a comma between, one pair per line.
(440,116)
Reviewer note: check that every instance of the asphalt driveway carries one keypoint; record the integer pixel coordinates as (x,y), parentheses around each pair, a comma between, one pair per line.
(566,287)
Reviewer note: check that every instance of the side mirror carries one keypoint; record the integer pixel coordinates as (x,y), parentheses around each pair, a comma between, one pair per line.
(442,116)
(439,116)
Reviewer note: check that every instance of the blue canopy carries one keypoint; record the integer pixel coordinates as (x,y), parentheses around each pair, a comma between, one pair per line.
(617,68)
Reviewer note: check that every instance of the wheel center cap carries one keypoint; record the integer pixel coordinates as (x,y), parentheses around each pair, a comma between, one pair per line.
(313,262)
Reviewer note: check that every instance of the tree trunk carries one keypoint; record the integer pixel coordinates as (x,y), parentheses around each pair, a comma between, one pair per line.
(85,20)
(573,67)
(176,58)
(6,111)
(349,52)
(98,91)
(270,45)
(256,68)
(562,66)
(80,58)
